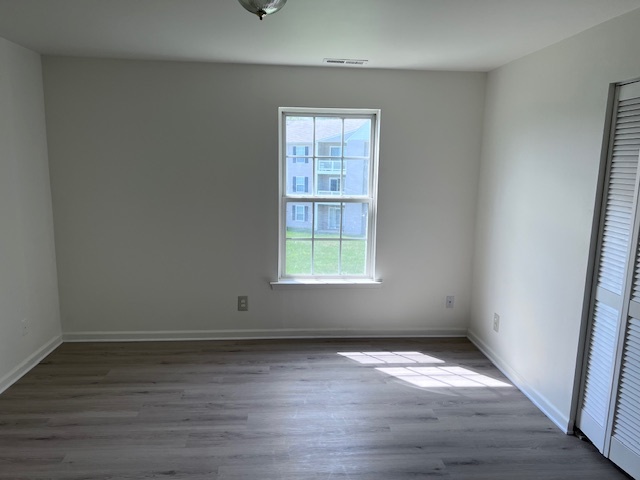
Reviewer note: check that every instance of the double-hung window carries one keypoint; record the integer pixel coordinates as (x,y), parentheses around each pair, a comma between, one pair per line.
(328,205)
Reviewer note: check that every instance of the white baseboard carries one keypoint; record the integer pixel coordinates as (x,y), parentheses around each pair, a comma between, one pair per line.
(557,417)
(168,335)
(14,375)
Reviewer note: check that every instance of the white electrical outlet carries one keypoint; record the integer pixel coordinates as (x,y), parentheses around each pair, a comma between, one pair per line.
(496,322)
(243,303)
(449,301)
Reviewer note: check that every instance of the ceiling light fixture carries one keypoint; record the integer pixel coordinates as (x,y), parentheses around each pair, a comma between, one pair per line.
(262,7)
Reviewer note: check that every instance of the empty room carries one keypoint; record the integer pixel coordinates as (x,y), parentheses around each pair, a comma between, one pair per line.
(350,239)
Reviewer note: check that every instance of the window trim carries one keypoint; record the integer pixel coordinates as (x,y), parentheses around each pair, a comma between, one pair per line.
(369,278)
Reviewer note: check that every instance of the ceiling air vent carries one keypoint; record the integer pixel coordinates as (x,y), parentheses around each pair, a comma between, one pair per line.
(344,61)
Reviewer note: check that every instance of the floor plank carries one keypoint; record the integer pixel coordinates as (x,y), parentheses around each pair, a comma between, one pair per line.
(279,409)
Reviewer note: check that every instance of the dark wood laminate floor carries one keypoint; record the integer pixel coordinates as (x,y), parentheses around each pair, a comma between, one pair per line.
(280,410)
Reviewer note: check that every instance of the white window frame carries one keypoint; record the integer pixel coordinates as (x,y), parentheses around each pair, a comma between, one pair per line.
(369,277)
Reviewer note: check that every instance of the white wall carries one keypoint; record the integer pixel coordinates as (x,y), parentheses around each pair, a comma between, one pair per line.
(164,181)
(543,123)
(28,284)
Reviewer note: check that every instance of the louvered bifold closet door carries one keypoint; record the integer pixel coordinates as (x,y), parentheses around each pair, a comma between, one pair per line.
(612,268)
(625,442)
(625,437)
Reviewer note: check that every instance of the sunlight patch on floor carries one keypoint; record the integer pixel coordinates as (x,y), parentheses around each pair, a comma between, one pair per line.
(443,377)
(370,358)
(428,377)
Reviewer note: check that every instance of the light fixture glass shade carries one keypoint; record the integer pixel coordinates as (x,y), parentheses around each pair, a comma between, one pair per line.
(262,7)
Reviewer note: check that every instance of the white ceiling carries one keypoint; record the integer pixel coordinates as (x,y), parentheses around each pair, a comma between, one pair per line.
(406,34)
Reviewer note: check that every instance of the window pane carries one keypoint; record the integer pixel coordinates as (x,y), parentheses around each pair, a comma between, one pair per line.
(299,220)
(354,220)
(298,257)
(328,134)
(357,137)
(326,257)
(329,177)
(356,177)
(328,217)
(354,257)
(299,170)
(299,132)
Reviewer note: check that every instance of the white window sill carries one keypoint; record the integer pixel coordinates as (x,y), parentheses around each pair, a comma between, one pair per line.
(325,283)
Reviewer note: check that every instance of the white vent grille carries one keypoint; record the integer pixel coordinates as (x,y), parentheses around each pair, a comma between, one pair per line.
(345,61)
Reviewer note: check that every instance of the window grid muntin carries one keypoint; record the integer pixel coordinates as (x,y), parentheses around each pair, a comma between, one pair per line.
(369,199)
